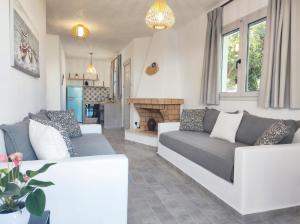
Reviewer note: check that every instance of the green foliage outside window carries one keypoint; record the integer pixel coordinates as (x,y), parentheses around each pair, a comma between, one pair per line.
(256,35)
(255,55)
(233,56)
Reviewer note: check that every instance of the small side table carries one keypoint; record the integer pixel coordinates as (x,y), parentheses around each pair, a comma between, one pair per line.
(45,219)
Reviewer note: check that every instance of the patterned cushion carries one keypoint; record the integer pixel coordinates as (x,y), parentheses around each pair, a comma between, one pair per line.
(61,130)
(274,134)
(192,120)
(67,120)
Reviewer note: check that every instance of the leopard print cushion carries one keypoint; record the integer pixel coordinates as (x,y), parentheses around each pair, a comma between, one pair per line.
(192,120)
(60,129)
(67,120)
(275,134)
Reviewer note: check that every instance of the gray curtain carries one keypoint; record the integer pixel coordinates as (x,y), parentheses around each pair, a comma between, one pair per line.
(212,55)
(280,79)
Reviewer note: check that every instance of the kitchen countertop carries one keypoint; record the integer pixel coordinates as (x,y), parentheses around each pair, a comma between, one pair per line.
(98,102)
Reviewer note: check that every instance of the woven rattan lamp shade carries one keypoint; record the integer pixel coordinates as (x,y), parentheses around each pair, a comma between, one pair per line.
(160,16)
(80,32)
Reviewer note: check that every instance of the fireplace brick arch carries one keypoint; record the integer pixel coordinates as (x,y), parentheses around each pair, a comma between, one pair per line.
(161,110)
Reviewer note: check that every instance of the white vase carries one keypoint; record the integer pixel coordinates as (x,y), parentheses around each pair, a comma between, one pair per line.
(20,217)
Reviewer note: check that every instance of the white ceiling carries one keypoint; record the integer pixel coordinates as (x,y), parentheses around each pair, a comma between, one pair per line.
(113,23)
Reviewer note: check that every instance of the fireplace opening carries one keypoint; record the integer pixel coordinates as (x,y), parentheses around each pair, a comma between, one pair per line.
(152,125)
(155,111)
(152,111)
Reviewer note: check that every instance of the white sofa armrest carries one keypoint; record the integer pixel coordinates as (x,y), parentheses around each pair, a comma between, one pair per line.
(269,176)
(166,127)
(91,128)
(84,186)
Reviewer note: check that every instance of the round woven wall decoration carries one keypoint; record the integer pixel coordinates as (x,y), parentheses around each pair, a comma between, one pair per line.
(152,69)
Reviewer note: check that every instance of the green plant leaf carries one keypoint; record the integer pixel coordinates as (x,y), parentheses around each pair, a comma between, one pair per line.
(11,189)
(11,176)
(38,183)
(31,173)
(25,190)
(35,202)
(4,171)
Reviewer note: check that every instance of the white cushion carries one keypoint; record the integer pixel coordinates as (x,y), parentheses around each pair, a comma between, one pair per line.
(226,126)
(297,137)
(47,142)
(2,143)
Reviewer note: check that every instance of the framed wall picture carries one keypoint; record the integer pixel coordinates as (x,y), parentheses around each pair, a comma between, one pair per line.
(24,41)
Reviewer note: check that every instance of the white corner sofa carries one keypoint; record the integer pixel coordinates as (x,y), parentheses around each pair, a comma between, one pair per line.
(265,177)
(91,189)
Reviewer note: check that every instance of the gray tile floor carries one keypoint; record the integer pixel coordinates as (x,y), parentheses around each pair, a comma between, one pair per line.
(161,194)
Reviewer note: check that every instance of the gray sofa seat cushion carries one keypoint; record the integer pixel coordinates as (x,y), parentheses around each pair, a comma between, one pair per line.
(16,137)
(91,145)
(215,155)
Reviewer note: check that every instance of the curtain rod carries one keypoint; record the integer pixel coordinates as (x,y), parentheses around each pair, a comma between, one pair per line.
(226,3)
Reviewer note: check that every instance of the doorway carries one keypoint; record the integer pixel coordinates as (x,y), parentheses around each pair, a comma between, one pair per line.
(127,90)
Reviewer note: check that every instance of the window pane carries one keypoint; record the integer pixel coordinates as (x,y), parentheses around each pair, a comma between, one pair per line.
(256,37)
(231,45)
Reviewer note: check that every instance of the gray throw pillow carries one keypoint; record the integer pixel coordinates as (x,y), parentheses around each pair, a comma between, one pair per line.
(16,137)
(252,127)
(42,115)
(273,135)
(67,120)
(61,130)
(192,120)
(211,117)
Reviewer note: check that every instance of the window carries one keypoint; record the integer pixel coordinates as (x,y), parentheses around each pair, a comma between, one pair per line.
(242,55)
(256,37)
(231,45)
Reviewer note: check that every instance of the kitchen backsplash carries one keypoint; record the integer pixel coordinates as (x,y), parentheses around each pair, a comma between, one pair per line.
(95,94)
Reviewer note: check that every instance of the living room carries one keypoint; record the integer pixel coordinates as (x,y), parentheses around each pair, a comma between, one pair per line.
(188,111)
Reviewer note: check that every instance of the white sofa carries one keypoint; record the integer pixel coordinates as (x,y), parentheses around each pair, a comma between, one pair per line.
(265,177)
(87,189)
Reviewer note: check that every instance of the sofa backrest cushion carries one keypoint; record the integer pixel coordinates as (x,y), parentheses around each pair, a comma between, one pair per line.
(294,126)
(16,137)
(40,115)
(211,117)
(297,137)
(252,127)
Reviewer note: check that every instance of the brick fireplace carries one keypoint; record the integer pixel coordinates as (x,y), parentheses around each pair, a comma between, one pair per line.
(161,110)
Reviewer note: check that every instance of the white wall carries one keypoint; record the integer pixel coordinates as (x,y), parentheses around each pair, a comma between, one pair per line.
(63,79)
(136,52)
(162,49)
(79,65)
(21,93)
(54,68)
(191,43)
